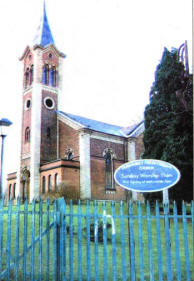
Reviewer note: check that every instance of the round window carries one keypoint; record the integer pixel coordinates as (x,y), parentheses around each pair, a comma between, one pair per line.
(49,103)
(27,104)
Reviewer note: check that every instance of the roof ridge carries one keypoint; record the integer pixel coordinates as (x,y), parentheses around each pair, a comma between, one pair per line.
(103,127)
(66,113)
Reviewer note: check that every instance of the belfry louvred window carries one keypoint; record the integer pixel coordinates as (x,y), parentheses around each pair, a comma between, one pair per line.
(49,75)
(27,77)
(53,76)
(45,78)
(31,74)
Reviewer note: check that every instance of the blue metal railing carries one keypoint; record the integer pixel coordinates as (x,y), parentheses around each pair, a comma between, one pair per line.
(96,241)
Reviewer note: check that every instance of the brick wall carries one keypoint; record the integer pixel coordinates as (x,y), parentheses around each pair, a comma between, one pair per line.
(98,190)
(11,182)
(48,150)
(68,175)
(69,138)
(26,122)
(54,60)
(97,147)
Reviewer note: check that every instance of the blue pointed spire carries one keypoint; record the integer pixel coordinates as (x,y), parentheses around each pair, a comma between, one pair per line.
(43,35)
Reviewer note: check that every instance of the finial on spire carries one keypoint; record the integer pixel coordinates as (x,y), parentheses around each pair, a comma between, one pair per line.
(43,35)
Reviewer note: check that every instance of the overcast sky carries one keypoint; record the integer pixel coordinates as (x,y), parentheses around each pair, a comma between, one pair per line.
(112,48)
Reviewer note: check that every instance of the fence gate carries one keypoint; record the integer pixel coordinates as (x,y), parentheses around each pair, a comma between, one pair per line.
(93,240)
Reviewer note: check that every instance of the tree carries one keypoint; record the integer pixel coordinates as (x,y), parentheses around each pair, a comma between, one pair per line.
(169,123)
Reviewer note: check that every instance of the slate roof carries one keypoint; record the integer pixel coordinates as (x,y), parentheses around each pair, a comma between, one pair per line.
(93,124)
(97,126)
(43,35)
(134,130)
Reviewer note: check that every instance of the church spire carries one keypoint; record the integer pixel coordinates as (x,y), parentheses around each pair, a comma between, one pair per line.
(43,35)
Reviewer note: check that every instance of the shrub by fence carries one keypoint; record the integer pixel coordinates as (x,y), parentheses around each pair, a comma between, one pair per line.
(95,241)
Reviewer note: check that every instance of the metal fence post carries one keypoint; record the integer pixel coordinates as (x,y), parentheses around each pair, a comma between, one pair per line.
(58,240)
(132,242)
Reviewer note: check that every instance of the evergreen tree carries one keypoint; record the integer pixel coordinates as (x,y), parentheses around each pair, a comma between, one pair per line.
(169,123)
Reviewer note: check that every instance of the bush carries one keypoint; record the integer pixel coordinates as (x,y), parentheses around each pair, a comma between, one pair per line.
(62,190)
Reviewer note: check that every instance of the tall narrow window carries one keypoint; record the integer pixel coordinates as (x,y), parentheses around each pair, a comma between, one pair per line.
(53,76)
(56,182)
(49,183)
(27,134)
(10,191)
(27,77)
(14,188)
(48,132)
(108,156)
(45,79)
(43,185)
(31,74)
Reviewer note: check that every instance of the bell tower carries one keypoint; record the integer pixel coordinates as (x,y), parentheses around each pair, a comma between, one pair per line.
(42,81)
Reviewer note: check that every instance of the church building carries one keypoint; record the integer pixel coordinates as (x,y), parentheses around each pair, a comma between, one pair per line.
(60,148)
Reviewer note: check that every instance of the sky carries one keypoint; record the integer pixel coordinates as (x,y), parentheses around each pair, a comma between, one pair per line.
(112,50)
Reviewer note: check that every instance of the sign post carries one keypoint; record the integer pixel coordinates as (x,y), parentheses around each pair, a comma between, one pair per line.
(165,197)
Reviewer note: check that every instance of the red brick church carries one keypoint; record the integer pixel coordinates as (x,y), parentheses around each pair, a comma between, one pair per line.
(59,147)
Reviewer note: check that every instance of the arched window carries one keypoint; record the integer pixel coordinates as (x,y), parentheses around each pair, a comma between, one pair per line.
(31,74)
(9,195)
(49,183)
(14,188)
(27,77)
(43,185)
(56,182)
(53,76)
(27,134)
(109,179)
(45,78)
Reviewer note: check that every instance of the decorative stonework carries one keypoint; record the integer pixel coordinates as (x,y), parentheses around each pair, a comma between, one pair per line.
(69,122)
(103,137)
(131,150)
(69,154)
(85,175)
(109,150)
(25,174)
(131,157)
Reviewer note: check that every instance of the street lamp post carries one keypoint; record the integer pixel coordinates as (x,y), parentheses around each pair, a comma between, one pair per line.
(4,124)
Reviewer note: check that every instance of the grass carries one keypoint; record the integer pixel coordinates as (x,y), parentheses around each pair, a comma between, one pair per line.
(46,262)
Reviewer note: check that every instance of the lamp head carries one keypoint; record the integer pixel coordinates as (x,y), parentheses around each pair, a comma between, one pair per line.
(4,124)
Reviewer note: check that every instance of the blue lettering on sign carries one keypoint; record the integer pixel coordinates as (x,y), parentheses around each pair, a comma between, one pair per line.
(147,175)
